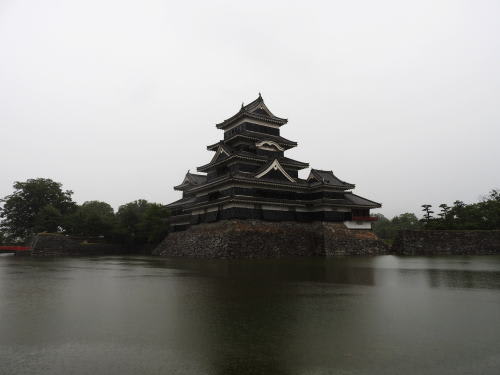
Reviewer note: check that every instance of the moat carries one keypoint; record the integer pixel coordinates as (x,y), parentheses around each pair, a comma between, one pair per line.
(150,315)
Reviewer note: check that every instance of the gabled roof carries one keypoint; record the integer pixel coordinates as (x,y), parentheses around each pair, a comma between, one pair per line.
(317,176)
(190,180)
(301,164)
(256,110)
(214,146)
(357,200)
(273,166)
(181,202)
(222,152)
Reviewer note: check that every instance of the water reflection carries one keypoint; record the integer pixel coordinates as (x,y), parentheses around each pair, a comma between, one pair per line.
(379,315)
(254,312)
(463,279)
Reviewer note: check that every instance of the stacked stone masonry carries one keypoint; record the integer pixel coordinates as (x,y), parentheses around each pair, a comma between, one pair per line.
(60,245)
(447,242)
(260,239)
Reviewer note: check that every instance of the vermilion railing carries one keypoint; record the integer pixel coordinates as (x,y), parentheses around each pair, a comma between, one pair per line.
(364,218)
(15,248)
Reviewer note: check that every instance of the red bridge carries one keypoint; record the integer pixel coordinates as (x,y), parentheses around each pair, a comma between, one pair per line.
(14,249)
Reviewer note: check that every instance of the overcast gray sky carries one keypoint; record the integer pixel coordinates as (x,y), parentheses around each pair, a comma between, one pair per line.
(118,99)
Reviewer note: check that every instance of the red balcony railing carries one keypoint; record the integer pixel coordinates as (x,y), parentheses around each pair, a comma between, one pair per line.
(364,218)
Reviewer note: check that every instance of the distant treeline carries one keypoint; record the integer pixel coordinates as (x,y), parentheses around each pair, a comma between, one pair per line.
(482,215)
(41,205)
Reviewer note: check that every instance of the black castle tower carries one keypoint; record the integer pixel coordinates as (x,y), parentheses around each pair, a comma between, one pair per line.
(249,177)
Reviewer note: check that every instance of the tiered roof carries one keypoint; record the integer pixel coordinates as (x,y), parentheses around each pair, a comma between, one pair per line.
(191,180)
(319,177)
(256,110)
(255,136)
(244,155)
(271,169)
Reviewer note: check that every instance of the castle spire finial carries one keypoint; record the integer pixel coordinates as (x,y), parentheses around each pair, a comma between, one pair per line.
(242,105)
(260,96)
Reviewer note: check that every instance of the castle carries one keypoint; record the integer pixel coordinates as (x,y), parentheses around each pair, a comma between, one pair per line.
(249,177)
(249,200)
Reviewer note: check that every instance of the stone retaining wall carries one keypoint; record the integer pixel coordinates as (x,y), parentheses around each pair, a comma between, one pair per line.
(260,239)
(447,242)
(60,245)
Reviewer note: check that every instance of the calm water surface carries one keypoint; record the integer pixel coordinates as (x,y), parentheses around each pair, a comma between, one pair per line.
(145,315)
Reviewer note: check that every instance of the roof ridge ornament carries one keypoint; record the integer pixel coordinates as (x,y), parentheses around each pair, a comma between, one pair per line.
(262,145)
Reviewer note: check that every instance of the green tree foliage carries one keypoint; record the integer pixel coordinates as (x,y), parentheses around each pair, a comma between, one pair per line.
(40,205)
(92,218)
(35,205)
(141,222)
(154,222)
(383,227)
(481,215)
(445,211)
(406,221)
(491,209)
(48,219)
(388,229)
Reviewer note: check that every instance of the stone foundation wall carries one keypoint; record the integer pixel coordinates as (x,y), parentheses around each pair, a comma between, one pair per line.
(447,242)
(260,239)
(339,240)
(60,245)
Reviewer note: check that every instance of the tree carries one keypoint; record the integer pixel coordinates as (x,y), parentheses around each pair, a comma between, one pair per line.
(428,212)
(141,222)
(445,219)
(481,215)
(457,213)
(388,229)
(383,227)
(48,219)
(445,211)
(92,218)
(490,207)
(36,204)
(406,221)
(154,222)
